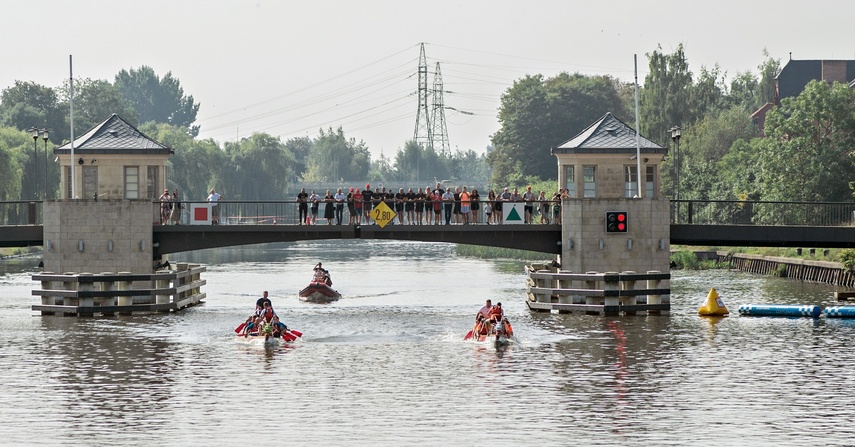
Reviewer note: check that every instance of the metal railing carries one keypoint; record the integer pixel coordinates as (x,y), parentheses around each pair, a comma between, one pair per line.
(692,212)
(21,212)
(286,212)
(740,212)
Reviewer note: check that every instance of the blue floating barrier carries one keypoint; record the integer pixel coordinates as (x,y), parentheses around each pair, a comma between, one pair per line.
(780,310)
(840,312)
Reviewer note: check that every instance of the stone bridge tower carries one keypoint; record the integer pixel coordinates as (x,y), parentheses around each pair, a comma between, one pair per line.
(599,170)
(119,172)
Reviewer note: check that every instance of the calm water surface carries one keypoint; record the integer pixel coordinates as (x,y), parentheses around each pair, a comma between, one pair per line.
(386,365)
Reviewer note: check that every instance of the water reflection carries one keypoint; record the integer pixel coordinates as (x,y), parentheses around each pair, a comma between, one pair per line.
(103,369)
(711,323)
(387,364)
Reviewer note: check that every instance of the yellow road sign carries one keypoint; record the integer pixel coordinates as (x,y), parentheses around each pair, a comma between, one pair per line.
(382,214)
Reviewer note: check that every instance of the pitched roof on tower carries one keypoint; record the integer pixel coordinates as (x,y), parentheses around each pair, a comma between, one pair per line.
(607,135)
(114,136)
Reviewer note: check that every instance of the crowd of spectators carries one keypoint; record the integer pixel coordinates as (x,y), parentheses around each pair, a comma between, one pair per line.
(431,205)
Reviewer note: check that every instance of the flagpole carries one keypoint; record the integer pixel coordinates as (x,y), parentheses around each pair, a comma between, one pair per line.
(71,120)
(637,130)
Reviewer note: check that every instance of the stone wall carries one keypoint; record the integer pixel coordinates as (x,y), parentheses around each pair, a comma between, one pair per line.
(98,236)
(644,247)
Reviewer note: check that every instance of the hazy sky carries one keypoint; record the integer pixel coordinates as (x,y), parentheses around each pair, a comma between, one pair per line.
(289,68)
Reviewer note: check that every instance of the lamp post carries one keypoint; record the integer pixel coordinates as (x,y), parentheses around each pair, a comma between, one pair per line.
(35,184)
(36,132)
(675,137)
(45,138)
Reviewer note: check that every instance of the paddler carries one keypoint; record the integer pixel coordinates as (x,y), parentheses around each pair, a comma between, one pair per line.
(259,304)
(267,314)
(495,314)
(482,319)
(279,327)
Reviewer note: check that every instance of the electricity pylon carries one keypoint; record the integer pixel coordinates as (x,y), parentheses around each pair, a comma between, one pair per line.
(439,132)
(423,133)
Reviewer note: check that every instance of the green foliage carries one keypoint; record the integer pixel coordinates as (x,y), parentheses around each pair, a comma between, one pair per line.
(414,163)
(334,158)
(13,157)
(807,155)
(196,166)
(686,260)
(257,168)
(27,104)
(703,147)
(483,252)
(536,114)
(665,100)
(161,100)
(847,258)
(95,101)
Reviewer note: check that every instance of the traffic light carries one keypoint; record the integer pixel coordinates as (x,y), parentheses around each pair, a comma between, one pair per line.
(616,222)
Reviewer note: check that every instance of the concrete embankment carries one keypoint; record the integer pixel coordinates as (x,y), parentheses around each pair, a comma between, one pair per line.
(825,272)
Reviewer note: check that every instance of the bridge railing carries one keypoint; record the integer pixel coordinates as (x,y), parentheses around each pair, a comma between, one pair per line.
(21,212)
(745,212)
(697,212)
(286,212)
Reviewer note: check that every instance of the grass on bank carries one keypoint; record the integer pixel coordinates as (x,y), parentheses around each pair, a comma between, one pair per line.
(684,258)
(481,252)
(681,258)
(13,252)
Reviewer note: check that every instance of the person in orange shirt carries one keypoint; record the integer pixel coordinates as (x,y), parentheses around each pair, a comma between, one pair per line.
(465,203)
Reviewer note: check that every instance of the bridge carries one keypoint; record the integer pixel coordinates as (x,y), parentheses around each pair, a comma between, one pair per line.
(693,223)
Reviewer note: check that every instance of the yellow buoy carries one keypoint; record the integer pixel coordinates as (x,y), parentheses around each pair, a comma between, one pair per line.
(713,306)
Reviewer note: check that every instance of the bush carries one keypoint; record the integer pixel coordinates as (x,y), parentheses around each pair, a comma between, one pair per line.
(686,260)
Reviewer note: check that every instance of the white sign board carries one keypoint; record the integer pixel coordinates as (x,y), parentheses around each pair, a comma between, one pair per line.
(200,214)
(513,213)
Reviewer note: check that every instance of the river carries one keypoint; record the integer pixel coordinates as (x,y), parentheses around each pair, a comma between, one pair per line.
(387,364)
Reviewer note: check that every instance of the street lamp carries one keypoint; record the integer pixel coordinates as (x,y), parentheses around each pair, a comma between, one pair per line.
(45,137)
(675,137)
(35,132)
(44,134)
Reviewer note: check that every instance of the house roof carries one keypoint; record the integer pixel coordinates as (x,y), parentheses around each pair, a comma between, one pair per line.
(114,136)
(607,135)
(797,73)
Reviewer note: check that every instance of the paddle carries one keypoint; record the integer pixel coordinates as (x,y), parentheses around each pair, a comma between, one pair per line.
(295,332)
(468,335)
(240,328)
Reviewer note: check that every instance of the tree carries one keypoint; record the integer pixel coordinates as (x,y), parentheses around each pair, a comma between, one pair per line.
(664,101)
(415,163)
(334,158)
(707,94)
(810,141)
(14,156)
(744,92)
(536,114)
(470,167)
(196,165)
(156,99)
(769,71)
(27,104)
(94,102)
(260,168)
(702,146)
(300,147)
(739,172)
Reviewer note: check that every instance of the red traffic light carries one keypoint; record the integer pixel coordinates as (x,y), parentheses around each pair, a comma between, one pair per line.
(616,222)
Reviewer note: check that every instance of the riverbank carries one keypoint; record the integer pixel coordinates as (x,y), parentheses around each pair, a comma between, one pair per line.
(20,252)
(816,271)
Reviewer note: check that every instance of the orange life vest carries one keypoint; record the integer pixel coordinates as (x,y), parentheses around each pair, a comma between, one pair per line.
(267,314)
